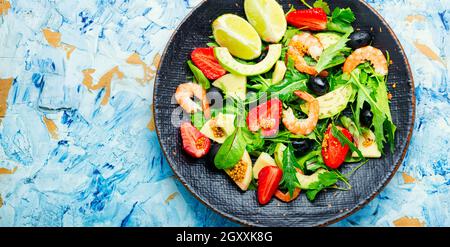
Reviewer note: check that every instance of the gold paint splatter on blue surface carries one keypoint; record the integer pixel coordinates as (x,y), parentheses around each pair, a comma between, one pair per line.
(104,82)
(51,127)
(406,221)
(5,5)
(407,178)
(54,40)
(149,71)
(5,86)
(171,197)
(413,18)
(428,52)
(6,171)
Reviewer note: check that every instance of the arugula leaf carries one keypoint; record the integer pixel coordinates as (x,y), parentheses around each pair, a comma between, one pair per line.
(341,20)
(289,179)
(199,76)
(332,55)
(231,150)
(326,180)
(375,94)
(344,141)
(323,5)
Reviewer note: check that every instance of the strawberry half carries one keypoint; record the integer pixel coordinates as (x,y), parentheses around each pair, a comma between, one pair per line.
(195,143)
(269,178)
(205,60)
(308,19)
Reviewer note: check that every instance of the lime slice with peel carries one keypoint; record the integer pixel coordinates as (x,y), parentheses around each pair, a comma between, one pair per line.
(236,34)
(267,17)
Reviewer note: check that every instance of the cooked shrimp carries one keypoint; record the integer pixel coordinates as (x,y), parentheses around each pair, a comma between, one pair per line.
(184,94)
(301,44)
(367,53)
(302,126)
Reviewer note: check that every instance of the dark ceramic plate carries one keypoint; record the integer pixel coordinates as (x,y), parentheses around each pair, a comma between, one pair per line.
(216,190)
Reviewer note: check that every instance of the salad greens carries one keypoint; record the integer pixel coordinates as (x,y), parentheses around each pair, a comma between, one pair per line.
(262,125)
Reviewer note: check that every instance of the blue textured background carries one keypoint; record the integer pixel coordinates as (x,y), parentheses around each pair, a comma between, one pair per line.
(73,153)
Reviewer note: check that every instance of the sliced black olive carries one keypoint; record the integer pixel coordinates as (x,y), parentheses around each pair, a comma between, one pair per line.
(359,39)
(366,115)
(318,85)
(302,146)
(213,151)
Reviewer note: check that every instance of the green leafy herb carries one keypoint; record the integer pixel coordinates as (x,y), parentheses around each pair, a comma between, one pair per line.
(374,92)
(212,44)
(333,55)
(306,4)
(323,5)
(326,180)
(199,76)
(289,180)
(254,141)
(345,141)
(341,20)
(231,150)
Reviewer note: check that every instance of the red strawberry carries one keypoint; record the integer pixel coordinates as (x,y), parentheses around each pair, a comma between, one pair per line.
(195,143)
(269,178)
(205,60)
(308,19)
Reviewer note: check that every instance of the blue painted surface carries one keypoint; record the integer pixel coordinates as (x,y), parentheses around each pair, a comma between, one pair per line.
(104,167)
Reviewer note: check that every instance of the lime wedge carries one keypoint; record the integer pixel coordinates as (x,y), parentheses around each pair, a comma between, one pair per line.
(267,17)
(236,34)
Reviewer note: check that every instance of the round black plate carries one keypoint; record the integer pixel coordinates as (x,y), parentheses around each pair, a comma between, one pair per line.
(216,190)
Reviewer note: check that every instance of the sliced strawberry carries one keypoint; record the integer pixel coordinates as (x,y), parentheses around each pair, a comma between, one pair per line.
(268,180)
(266,117)
(308,19)
(205,60)
(195,143)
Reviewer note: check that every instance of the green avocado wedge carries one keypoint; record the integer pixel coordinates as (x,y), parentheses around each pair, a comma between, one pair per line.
(333,102)
(232,65)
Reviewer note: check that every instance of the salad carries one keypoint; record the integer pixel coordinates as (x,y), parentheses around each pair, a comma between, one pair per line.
(281,101)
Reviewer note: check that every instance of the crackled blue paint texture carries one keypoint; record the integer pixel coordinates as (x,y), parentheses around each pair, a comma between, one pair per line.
(77,142)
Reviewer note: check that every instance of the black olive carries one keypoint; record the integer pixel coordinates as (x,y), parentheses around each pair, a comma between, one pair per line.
(318,85)
(301,146)
(359,39)
(213,151)
(215,97)
(366,115)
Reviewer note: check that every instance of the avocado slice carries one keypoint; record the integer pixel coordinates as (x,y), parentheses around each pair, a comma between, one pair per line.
(279,72)
(328,39)
(305,181)
(233,66)
(232,85)
(367,145)
(245,163)
(219,127)
(333,102)
(279,149)
(263,160)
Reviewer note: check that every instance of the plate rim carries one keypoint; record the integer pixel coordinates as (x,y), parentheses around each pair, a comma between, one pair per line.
(359,205)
